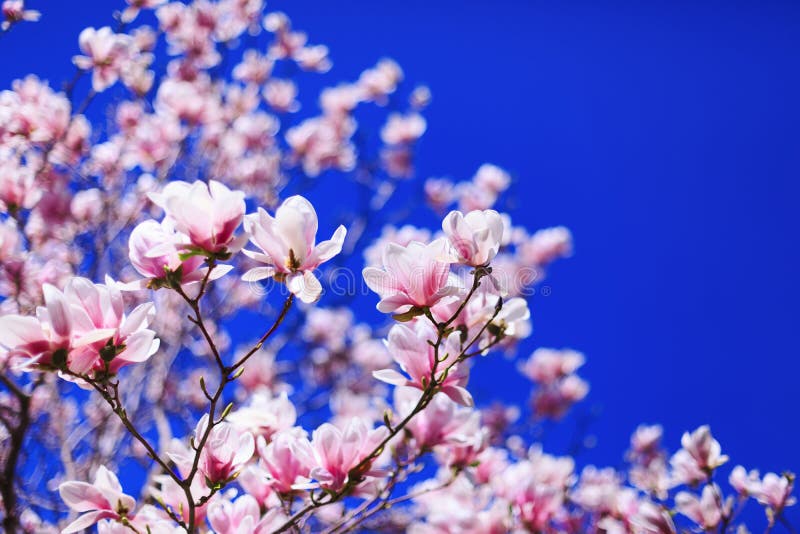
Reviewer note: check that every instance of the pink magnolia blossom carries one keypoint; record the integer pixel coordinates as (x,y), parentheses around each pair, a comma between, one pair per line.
(83,329)
(265,415)
(545,366)
(439,193)
(492,178)
(281,95)
(288,459)
(14,11)
(208,214)
(653,519)
(225,452)
(106,54)
(288,248)
(254,68)
(700,455)
(705,511)
(153,249)
(775,491)
(339,452)
(743,482)
(243,516)
(413,276)
(103,499)
(403,129)
(410,348)
(18,186)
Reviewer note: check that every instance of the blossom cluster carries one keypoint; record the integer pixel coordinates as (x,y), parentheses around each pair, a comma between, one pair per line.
(172,344)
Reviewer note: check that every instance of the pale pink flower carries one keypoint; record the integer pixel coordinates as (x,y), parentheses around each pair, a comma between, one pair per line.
(18,185)
(700,455)
(288,248)
(265,415)
(341,99)
(313,58)
(153,249)
(239,517)
(106,53)
(492,178)
(439,423)
(410,348)
(413,276)
(106,339)
(208,214)
(323,142)
(281,95)
(339,452)
(420,97)
(653,519)
(403,129)
(554,401)
(439,193)
(288,459)
(254,68)
(225,452)
(743,482)
(545,246)
(775,491)
(379,82)
(14,11)
(103,499)
(475,237)
(545,366)
(645,440)
(705,511)
(82,329)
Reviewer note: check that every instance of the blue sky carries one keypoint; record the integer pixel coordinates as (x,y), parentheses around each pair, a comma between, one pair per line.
(666,135)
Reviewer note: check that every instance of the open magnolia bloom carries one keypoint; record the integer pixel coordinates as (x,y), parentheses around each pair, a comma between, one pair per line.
(474,237)
(288,248)
(103,499)
(207,214)
(413,277)
(412,350)
(154,251)
(82,330)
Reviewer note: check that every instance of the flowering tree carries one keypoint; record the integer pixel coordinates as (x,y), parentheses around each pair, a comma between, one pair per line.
(132,248)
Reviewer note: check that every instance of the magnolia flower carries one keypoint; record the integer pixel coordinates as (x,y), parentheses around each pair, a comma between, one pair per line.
(225,453)
(775,491)
(412,351)
(83,329)
(14,11)
(545,366)
(705,511)
(207,214)
(265,415)
(743,482)
(101,500)
(413,276)
(154,253)
(288,459)
(338,452)
(700,455)
(475,237)
(653,519)
(403,129)
(287,244)
(106,53)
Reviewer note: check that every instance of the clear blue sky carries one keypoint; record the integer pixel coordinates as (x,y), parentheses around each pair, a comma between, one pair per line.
(666,135)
